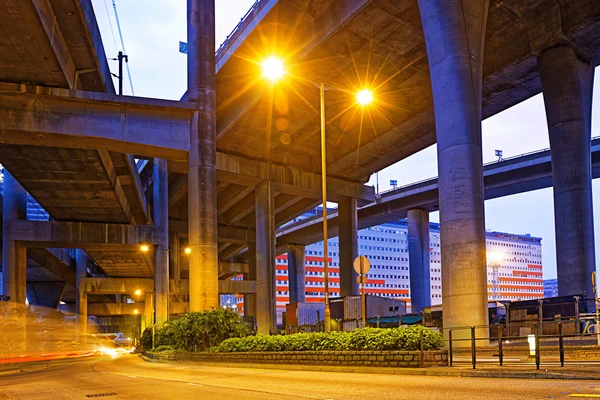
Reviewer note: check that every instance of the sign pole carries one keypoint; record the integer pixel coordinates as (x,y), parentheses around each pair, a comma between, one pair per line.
(597,326)
(362,284)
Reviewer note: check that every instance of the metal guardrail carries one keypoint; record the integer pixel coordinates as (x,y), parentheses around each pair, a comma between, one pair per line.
(485,164)
(244,21)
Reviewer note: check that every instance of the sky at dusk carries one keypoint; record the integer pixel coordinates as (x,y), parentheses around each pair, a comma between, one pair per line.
(152,33)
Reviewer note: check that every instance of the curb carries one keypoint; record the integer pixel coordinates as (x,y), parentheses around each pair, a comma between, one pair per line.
(442,371)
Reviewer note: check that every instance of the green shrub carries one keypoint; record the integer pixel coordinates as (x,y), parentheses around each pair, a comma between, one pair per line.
(360,339)
(163,348)
(196,331)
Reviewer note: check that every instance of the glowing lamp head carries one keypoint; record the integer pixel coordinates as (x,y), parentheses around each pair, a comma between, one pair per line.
(136,312)
(188,250)
(364,97)
(494,257)
(138,292)
(144,248)
(273,68)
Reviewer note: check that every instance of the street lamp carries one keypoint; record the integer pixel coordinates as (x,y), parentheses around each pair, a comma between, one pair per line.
(273,69)
(144,248)
(494,260)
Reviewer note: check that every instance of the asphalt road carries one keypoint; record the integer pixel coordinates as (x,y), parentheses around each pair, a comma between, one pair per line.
(129,377)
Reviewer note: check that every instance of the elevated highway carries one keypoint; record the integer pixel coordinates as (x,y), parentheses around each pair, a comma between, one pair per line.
(250,151)
(518,174)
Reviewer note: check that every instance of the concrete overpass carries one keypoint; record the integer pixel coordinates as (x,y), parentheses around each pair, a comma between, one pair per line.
(518,174)
(249,152)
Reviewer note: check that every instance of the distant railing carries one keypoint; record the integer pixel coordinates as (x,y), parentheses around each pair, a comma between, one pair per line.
(485,165)
(244,21)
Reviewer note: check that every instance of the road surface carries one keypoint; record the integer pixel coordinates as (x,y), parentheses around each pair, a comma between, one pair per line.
(129,377)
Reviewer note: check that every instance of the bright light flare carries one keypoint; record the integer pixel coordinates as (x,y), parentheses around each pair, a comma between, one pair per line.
(494,257)
(273,68)
(188,250)
(138,292)
(364,97)
(107,351)
(144,248)
(136,312)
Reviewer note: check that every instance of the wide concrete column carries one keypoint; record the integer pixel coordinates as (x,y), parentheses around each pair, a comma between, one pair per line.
(250,299)
(348,241)
(297,272)
(418,259)
(454,34)
(14,255)
(567,81)
(160,215)
(81,261)
(202,174)
(266,317)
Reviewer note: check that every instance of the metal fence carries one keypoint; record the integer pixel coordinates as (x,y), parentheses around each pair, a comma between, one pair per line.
(474,345)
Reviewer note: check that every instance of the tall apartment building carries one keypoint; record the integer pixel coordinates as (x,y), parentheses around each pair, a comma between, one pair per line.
(516,275)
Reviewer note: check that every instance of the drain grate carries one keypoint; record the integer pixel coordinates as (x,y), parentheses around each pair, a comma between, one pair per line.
(101,394)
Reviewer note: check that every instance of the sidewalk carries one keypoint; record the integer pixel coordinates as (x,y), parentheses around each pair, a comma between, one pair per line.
(525,372)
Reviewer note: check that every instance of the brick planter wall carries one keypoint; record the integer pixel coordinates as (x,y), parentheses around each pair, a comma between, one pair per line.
(345,358)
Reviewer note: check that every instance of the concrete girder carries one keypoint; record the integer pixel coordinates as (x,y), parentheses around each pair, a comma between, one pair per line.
(146,127)
(146,285)
(115,181)
(46,294)
(57,42)
(84,235)
(57,261)
(131,184)
(225,233)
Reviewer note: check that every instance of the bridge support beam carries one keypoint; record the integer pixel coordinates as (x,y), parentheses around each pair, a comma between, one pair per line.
(418,259)
(567,83)
(202,166)
(266,317)
(160,216)
(454,35)
(81,261)
(14,254)
(45,294)
(296,272)
(348,241)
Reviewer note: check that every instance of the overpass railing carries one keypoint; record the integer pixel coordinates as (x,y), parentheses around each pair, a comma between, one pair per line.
(244,22)
(512,158)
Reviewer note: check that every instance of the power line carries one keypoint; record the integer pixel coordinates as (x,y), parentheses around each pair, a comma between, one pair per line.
(112,30)
(122,44)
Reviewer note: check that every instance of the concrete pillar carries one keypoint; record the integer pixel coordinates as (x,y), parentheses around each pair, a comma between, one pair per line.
(567,82)
(266,317)
(297,273)
(348,241)
(250,299)
(418,259)
(81,261)
(175,256)
(148,317)
(14,255)
(454,35)
(160,215)
(202,174)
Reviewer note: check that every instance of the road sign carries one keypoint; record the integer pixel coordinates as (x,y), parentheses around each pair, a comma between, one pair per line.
(183,47)
(362,265)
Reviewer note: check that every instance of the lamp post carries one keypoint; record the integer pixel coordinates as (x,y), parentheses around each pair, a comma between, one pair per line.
(327,316)
(273,70)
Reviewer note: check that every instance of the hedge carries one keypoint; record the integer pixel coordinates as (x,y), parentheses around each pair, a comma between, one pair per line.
(360,339)
(196,331)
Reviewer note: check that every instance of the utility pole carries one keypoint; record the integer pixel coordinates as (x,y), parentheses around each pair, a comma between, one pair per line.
(120,57)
